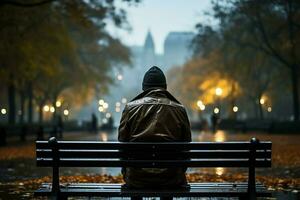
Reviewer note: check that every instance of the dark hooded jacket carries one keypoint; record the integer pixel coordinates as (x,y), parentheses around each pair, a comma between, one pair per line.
(154,116)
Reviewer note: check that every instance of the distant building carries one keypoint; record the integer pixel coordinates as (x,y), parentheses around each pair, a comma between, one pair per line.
(149,57)
(177,48)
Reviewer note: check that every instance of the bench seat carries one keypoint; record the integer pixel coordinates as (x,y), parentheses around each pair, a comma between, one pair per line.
(224,189)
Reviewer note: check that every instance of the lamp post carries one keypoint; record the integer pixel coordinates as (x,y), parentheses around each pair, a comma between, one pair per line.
(66,114)
(218,92)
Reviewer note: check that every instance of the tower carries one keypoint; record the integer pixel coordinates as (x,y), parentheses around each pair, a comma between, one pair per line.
(148,58)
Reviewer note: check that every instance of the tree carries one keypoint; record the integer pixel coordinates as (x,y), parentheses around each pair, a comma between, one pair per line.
(270,27)
(61,43)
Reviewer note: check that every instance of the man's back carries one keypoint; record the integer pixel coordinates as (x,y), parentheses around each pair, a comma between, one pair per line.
(154,116)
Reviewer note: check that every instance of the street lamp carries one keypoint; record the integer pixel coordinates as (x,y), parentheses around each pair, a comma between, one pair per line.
(269,109)
(235,109)
(216,110)
(101,109)
(46,108)
(120,77)
(3,111)
(202,107)
(66,112)
(58,104)
(262,101)
(52,109)
(199,103)
(108,115)
(219,91)
(101,102)
(105,105)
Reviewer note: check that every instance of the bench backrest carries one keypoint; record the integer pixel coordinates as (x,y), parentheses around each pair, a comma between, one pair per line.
(175,154)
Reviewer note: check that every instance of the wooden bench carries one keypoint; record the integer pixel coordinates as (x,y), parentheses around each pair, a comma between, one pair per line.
(56,154)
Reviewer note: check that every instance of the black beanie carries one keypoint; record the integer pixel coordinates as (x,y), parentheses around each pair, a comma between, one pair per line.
(154,77)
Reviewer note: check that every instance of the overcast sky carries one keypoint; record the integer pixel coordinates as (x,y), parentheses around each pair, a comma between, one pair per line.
(161,17)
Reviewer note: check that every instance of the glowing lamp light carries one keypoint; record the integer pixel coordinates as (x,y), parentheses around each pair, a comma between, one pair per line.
(199,103)
(269,109)
(118,109)
(118,104)
(124,100)
(3,111)
(46,108)
(262,101)
(202,107)
(101,109)
(108,115)
(235,108)
(104,121)
(120,77)
(216,110)
(52,109)
(66,112)
(219,91)
(58,104)
(101,101)
(105,105)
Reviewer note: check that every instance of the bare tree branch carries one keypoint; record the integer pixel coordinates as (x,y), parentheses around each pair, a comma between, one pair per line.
(267,42)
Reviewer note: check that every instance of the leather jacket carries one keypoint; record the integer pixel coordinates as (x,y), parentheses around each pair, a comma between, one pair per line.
(154,116)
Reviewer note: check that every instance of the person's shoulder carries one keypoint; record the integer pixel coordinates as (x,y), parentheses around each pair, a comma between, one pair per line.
(177,105)
(139,102)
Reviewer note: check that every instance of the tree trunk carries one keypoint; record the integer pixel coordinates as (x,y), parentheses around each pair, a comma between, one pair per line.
(11,103)
(22,107)
(256,115)
(295,89)
(30,103)
(232,114)
(41,117)
(55,108)
(260,109)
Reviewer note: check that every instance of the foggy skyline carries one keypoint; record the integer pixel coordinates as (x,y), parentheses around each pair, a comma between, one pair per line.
(161,17)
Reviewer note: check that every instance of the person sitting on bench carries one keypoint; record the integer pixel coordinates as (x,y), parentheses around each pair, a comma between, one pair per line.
(154,116)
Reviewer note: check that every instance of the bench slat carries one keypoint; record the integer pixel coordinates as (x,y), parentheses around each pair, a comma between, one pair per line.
(153,163)
(110,185)
(150,155)
(145,146)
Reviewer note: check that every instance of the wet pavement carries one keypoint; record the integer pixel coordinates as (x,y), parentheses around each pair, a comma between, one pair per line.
(20,176)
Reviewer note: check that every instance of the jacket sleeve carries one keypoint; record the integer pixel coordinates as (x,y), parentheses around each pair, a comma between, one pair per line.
(124,131)
(186,128)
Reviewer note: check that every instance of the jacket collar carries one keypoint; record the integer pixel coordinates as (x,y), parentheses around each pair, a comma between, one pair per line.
(156,92)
